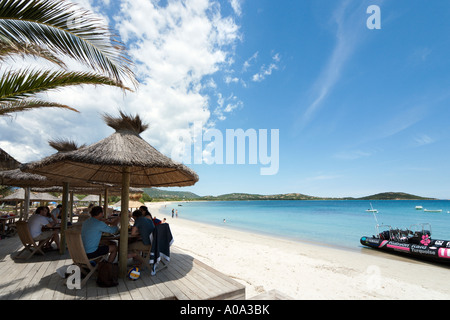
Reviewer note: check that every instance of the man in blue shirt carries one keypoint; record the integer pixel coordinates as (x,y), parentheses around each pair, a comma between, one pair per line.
(91,234)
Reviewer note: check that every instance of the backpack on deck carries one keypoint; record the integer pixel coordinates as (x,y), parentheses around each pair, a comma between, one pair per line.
(108,274)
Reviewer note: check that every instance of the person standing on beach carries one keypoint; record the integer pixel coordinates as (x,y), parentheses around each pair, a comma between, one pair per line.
(176,213)
(172,212)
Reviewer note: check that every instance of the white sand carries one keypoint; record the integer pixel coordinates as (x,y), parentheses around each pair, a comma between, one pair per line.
(306,270)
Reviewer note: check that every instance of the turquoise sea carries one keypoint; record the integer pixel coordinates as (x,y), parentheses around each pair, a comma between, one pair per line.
(341,222)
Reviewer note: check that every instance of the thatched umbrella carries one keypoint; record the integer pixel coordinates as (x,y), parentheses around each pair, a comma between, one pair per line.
(7,162)
(132,204)
(91,198)
(123,158)
(19,195)
(18,178)
(94,192)
(64,146)
(103,162)
(24,195)
(57,189)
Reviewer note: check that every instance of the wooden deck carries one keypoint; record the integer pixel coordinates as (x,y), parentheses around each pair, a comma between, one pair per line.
(185,278)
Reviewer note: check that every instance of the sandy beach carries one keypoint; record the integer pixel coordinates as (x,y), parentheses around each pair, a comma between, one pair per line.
(306,270)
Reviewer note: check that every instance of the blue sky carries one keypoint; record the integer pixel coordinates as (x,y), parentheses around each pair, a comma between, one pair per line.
(358,111)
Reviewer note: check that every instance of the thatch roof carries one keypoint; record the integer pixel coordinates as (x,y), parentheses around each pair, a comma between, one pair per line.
(7,162)
(19,194)
(52,189)
(132,204)
(103,161)
(112,190)
(91,198)
(18,178)
(123,158)
(62,146)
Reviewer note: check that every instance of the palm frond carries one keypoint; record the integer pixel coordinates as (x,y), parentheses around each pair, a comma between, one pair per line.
(16,85)
(29,104)
(10,49)
(67,29)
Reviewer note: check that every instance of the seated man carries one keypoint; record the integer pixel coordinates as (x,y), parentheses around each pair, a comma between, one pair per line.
(142,228)
(39,220)
(56,213)
(91,234)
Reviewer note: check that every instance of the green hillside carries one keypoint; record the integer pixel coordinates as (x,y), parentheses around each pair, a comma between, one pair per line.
(170,195)
(394,196)
(157,194)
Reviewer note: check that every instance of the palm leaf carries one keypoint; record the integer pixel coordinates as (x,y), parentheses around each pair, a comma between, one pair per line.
(66,29)
(16,85)
(29,104)
(9,49)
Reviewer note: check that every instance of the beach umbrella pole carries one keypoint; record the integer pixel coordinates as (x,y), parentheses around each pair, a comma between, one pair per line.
(123,248)
(64,214)
(26,203)
(105,202)
(71,206)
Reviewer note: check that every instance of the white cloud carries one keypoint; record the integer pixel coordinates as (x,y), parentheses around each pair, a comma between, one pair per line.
(249,61)
(226,105)
(264,72)
(267,70)
(423,139)
(230,79)
(352,155)
(420,55)
(347,23)
(176,48)
(236,5)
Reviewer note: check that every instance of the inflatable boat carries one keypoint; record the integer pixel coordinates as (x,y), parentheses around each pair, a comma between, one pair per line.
(414,241)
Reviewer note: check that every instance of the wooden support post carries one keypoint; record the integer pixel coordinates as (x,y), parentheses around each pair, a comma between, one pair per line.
(123,249)
(64,214)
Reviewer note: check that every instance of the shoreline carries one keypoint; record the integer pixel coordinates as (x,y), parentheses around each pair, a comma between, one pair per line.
(305,270)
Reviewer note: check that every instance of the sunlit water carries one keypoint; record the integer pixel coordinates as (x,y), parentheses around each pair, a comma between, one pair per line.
(341,222)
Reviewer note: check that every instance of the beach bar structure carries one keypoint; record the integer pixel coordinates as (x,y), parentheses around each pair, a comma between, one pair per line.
(185,279)
(7,162)
(18,178)
(20,196)
(123,159)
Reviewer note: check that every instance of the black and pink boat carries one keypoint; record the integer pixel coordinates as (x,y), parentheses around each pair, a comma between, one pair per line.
(415,241)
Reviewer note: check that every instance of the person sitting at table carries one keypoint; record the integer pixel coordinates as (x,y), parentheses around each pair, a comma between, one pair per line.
(39,220)
(56,213)
(148,215)
(91,234)
(142,229)
(50,216)
(88,209)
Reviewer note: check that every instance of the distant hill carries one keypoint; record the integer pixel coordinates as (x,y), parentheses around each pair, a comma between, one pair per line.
(247,196)
(394,196)
(157,194)
(169,195)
